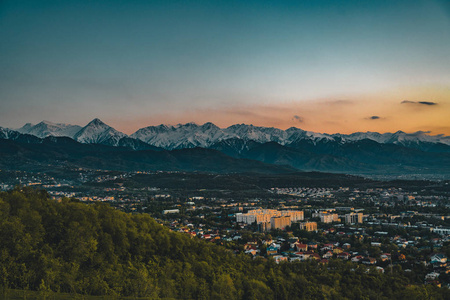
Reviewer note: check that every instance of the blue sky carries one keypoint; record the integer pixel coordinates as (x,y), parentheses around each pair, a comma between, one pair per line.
(139,63)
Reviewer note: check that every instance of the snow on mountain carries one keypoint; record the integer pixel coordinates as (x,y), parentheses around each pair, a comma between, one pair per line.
(403,138)
(26,128)
(191,135)
(399,137)
(297,134)
(46,128)
(97,132)
(257,133)
(8,134)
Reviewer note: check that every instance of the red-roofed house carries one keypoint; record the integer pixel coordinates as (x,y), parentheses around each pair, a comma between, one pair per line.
(301,247)
(344,255)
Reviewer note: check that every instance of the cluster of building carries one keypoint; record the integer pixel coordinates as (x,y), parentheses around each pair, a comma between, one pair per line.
(321,252)
(378,196)
(330,216)
(304,191)
(270,218)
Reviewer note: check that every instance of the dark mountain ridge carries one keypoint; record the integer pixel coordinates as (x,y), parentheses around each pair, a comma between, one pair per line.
(359,153)
(62,151)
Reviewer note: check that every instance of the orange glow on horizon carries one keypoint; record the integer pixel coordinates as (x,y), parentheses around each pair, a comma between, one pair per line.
(409,110)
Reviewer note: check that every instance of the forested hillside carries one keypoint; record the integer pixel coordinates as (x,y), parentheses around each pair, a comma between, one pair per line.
(74,247)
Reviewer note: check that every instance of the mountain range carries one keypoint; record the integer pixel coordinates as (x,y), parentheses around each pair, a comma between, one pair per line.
(356,153)
(191,135)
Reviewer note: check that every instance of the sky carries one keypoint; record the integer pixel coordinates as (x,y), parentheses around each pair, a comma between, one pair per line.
(324,66)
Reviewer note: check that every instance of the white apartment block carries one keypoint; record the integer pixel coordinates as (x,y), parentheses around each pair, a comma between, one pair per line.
(328,218)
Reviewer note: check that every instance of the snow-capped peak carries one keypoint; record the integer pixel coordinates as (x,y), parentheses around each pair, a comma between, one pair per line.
(97,132)
(47,128)
(97,122)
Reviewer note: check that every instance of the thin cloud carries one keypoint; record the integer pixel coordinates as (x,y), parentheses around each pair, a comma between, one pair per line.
(297,118)
(418,102)
(338,102)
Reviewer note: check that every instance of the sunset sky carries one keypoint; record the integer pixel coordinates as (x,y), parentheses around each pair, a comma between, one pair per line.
(325,66)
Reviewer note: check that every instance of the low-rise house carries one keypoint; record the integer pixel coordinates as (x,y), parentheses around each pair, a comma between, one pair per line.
(337,250)
(369,261)
(385,256)
(293,244)
(307,255)
(250,246)
(436,240)
(253,252)
(272,250)
(328,254)
(327,247)
(439,259)
(279,258)
(432,276)
(343,255)
(292,240)
(301,247)
(302,255)
(315,256)
(267,242)
(312,245)
(357,258)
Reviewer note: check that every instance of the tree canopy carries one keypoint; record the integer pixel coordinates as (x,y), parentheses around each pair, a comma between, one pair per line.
(93,249)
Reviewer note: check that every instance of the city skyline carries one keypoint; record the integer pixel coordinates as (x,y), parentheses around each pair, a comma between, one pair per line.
(321,66)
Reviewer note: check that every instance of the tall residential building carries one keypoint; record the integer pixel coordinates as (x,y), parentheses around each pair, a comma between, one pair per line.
(264,226)
(354,218)
(295,215)
(280,222)
(308,226)
(328,218)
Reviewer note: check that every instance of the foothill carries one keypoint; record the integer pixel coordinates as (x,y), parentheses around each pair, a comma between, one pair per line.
(393,226)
